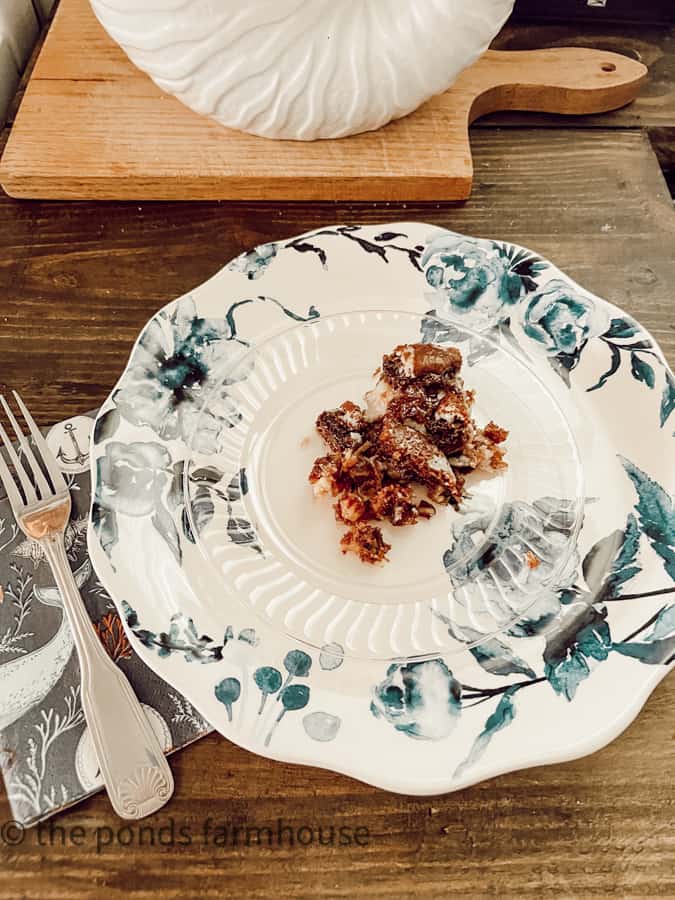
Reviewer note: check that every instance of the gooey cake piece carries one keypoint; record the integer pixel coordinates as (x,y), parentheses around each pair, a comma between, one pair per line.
(416,430)
(414,451)
(425,363)
(342,428)
(408,377)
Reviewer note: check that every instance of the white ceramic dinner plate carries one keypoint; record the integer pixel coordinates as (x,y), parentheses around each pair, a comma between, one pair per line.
(204,530)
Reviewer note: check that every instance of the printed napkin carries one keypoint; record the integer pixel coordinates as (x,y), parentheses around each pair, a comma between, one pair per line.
(46,754)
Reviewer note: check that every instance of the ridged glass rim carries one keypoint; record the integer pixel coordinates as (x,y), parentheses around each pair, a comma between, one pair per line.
(471,557)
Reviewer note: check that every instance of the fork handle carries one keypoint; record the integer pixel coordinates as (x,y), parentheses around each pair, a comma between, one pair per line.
(134,769)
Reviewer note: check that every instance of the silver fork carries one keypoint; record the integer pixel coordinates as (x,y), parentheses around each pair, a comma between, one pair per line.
(134,769)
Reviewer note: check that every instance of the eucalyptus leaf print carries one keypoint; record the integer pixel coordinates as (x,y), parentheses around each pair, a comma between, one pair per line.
(268,679)
(641,369)
(297,663)
(208,486)
(440,331)
(249,636)
(228,692)
(202,509)
(663,625)
(292,697)
(321,726)
(184,638)
(246,635)
(236,488)
(655,513)
(561,321)
(240,531)
(526,265)
(542,614)
(626,564)
(331,657)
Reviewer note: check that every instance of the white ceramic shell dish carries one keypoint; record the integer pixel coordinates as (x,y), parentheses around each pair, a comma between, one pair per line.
(303,69)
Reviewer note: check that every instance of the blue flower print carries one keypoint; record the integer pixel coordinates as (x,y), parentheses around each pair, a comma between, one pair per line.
(561,321)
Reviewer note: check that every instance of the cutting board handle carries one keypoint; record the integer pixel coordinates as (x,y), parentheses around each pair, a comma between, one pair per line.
(567,80)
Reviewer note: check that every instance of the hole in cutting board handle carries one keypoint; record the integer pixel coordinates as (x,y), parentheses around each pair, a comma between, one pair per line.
(608,67)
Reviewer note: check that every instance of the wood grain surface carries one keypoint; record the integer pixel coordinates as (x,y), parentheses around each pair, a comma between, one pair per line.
(92,126)
(653,46)
(77,282)
(654,108)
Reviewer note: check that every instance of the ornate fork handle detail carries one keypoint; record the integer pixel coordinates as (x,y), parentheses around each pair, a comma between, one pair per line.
(136,774)
(134,769)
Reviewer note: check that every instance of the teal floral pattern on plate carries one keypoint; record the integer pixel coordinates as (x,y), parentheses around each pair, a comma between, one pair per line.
(423,699)
(592,648)
(479,280)
(562,321)
(177,364)
(254,263)
(183,637)
(503,289)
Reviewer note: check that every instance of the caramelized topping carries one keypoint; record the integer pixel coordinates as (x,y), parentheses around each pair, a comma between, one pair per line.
(367,542)
(415,434)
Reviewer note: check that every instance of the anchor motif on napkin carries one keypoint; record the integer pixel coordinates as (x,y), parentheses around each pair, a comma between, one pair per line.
(46,754)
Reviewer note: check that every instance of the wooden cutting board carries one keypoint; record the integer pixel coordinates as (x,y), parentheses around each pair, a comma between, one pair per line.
(91,126)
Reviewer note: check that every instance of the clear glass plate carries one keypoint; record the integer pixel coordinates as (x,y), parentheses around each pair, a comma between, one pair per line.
(451,582)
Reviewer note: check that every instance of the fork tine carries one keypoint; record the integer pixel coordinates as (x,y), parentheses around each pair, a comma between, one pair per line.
(11,489)
(28,489)
(51,465)
(41,482)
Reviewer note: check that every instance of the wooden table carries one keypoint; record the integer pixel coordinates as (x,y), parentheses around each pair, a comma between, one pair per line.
(77,282)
